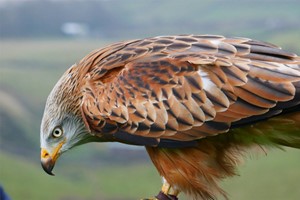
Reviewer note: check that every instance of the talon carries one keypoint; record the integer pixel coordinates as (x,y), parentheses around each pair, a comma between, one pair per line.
(163,196)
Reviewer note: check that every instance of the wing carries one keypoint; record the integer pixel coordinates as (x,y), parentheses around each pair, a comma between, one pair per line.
(183,88)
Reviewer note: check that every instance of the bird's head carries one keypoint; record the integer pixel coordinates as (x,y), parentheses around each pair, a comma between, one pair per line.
(62,126)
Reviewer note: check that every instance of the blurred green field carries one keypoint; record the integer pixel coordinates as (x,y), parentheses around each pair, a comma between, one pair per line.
(30,68)
(275,176)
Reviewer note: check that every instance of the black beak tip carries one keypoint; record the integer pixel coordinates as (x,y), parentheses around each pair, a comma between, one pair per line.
(48,167)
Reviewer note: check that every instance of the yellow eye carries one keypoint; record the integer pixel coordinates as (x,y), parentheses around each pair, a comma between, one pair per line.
(57,132)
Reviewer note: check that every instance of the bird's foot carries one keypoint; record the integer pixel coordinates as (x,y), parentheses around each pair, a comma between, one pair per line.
(163,196)
(167,193)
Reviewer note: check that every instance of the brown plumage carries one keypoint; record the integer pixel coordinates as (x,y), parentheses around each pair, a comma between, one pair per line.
(197,102)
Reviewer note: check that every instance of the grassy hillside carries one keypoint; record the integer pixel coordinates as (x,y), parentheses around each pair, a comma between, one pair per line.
(24,179)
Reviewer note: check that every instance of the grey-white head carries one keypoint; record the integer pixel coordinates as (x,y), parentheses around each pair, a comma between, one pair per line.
(62,125)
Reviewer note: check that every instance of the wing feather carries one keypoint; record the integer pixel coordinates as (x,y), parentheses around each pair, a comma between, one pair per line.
(185,87)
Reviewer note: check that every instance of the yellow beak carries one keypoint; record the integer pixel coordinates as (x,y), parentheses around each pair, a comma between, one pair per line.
(48,161)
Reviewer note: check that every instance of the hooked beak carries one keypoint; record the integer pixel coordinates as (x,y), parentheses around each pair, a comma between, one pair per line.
(48,161)
(47,164)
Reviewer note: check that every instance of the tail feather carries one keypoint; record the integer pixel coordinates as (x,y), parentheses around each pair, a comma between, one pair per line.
(281,130)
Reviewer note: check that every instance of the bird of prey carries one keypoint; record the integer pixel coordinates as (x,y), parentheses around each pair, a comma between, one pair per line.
(196,102)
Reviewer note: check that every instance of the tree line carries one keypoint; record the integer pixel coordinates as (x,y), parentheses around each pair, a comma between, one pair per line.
(46,18)
(131,18)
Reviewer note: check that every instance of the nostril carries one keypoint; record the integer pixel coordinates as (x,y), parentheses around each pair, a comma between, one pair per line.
(44,153)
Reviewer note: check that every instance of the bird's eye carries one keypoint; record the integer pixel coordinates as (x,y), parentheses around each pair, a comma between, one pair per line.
(57,132)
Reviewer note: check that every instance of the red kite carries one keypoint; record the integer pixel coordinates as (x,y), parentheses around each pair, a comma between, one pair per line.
(196,102)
